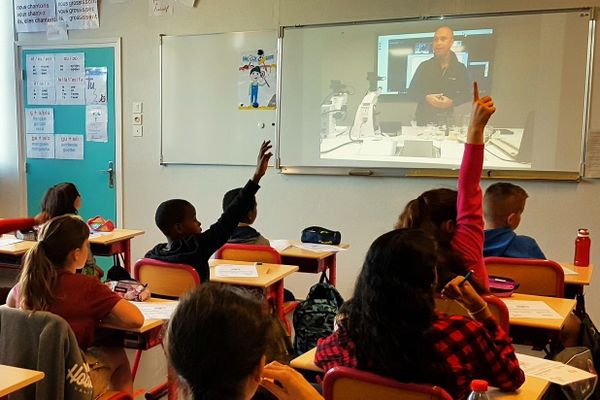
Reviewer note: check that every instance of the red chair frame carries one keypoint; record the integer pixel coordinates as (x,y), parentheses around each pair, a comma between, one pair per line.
(337,373)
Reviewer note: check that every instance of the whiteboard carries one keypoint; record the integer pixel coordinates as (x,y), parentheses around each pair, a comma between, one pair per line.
(536,66)
(200,88)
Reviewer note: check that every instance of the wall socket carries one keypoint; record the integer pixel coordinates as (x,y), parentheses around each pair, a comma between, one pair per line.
(136,119)
(138,130)
(136,107)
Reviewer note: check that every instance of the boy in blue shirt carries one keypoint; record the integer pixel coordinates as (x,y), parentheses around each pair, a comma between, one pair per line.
(245,233)
(186,243)
(503,204)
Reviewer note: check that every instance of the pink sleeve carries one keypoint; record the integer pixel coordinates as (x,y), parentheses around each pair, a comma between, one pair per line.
(468,236)
(9,225)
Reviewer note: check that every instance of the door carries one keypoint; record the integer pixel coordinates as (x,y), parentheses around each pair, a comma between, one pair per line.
(94,175)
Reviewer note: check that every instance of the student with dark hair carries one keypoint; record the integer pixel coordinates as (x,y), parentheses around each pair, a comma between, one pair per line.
(453,217)
(244,233)
(503,205)
(217,341)
(49,282)
(61,199)
(391,328)
(186,243)
(65,199)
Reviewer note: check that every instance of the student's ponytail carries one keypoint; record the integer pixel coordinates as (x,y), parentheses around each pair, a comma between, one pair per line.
(37,280)
(57,239)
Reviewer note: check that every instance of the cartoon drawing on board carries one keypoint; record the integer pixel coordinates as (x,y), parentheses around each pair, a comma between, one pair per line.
(257,81)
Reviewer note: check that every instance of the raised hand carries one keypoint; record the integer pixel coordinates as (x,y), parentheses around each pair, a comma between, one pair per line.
(262,161)
(483,108)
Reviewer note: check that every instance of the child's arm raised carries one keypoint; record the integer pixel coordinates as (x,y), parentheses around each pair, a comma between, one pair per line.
(219,233)
(483,108)
(468,235)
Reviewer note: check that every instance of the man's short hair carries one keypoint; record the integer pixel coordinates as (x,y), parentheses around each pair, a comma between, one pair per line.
(502,199)
(231,196)
(169,213)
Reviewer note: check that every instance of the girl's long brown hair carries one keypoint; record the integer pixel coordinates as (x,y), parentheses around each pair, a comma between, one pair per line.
(57,238)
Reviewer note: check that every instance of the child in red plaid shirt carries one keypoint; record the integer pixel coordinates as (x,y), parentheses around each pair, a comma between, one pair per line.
(390,326)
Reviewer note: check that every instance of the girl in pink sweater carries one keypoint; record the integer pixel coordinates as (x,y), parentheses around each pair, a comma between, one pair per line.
(455,218)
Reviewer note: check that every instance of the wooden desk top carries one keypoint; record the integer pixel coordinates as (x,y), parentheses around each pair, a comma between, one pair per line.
(117,235)
(583,277)
(292,251)
(532,389)
(561,306)
(13,378)
(268,274)
(306,361)
(148,323)
(16,249)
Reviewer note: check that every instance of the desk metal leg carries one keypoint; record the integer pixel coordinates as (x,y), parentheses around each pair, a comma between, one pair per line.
(332,270)
(127,255)
(136,363)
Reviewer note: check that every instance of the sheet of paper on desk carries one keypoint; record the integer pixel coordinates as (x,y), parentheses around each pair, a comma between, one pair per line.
(8,240)
(530,309)
(319,248)
(156,309)
(569,271)
(280,244)
(236,271)
(96,233)
(552,371)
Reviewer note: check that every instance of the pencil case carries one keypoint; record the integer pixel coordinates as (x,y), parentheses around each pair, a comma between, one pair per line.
(99,224)
(318,234)
(502,287)
(130,289)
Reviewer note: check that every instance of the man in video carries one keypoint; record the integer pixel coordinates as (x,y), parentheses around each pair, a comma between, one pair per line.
(440,83)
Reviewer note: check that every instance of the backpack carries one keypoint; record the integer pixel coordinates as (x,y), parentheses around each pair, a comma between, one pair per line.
(589,336)
(314,317)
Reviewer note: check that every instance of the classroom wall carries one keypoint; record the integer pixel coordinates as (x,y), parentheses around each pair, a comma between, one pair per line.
(361,208)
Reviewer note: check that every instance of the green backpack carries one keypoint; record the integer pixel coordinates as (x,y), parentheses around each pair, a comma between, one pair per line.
(314,317)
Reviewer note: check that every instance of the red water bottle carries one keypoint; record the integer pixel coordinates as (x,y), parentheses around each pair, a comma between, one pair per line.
(582,248)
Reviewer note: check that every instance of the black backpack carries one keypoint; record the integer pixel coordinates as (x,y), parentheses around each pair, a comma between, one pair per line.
(314,317)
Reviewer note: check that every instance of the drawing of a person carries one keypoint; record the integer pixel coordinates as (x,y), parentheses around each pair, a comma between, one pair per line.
(256,79)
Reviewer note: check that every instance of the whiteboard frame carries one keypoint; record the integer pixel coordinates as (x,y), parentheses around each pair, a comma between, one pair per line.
(115,43)
(444,173)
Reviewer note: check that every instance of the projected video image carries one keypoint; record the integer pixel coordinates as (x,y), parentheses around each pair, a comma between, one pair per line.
(430,76)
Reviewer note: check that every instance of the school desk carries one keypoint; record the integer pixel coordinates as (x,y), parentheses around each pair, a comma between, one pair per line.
(149,335)
(532,389)
(115,242)
(562,306)
(311,261)
(583,277)
(270,279)
(13,379)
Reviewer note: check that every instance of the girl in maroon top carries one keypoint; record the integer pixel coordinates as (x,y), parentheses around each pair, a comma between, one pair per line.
(455,218)
(48,282)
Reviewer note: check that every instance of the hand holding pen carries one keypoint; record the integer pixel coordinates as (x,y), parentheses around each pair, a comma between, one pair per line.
(461,290)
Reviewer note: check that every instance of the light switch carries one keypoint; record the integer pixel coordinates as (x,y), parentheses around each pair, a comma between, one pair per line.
(138,130)
(137,107)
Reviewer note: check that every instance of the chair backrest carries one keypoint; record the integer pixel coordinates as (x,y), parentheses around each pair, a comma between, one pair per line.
(249,252)
(166,279)
(343,383)
(497,308)
(539,277)
(44,342)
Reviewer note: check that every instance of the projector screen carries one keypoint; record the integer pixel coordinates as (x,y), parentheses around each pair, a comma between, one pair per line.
(397,95)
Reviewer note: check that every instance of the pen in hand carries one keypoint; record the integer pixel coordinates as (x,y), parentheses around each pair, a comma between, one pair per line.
(466,278)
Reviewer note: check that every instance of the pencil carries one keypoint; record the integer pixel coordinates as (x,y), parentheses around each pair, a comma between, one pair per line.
(466,278)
